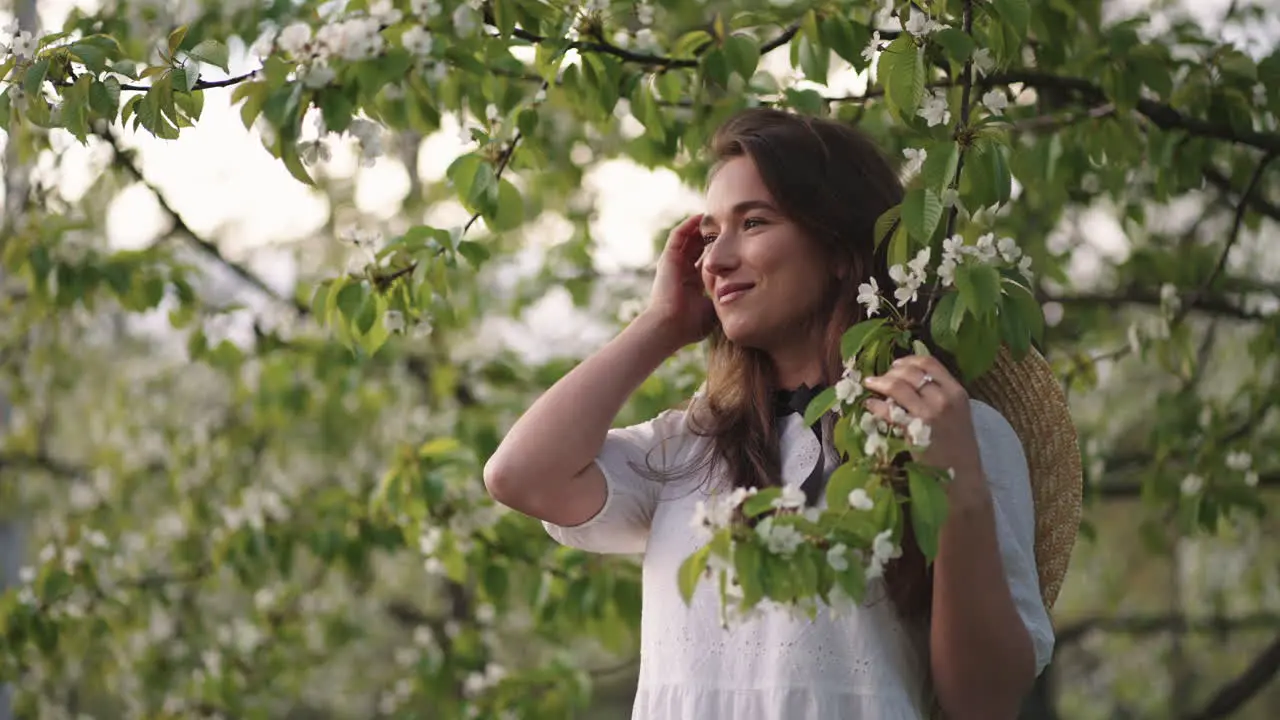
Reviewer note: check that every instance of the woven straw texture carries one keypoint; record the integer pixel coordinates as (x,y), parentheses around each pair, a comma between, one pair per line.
(1030,398)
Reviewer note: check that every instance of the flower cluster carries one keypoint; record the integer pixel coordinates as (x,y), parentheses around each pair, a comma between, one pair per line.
(21,43)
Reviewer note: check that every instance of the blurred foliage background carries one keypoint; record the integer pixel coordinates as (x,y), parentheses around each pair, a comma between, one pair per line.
(273,285)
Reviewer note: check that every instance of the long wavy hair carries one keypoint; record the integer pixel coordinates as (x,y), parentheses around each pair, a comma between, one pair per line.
(834,183)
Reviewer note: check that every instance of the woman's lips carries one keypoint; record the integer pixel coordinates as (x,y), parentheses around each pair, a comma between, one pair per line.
(732,292)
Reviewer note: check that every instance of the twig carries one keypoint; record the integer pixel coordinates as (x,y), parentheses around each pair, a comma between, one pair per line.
(124,158)
(962,135)
(200,84)
(1237,223)
(1137,296)
(1151,624)
(1241,689)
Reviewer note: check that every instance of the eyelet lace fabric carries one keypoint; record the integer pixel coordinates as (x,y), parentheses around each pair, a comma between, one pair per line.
(856,664)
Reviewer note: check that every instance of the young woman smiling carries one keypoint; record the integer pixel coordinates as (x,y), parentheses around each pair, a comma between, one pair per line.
(768,275)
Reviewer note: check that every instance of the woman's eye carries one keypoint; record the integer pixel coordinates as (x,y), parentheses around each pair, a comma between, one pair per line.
(752,222)
(708,239)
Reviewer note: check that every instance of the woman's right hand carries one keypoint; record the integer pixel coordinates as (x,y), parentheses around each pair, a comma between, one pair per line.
(678,300)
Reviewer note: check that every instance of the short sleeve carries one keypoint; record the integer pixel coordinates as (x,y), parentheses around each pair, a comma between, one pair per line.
(1010,483)
(628,459)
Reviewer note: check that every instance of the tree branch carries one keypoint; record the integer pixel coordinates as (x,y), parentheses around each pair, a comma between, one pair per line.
(1138,296)
(124,158)
(1219,180)
(607,48)
(1236,224)
(1241,689)
(1132,489)
(1152,624)
(200,84)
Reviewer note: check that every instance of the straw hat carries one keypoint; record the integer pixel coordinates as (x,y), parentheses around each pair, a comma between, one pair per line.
(1028,395)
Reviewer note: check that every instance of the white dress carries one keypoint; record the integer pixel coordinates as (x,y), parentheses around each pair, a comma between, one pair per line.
(861,665)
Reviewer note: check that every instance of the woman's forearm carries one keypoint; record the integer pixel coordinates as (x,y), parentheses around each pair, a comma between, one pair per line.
(981,655)
(562,432)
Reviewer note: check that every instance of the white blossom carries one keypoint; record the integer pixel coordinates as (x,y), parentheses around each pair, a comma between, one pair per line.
(995,100)
(426,8)
(313,151)
(791,497)
(317,75)
(25,45)
(394,321)
(465,21)
(1192,484)
(869,296)
(982,61)
(1251,478)
(644,13)
(860,500)
(417,40)
(875,445)
(1239,460)
(869,52)
(780,539)
(1260,95)
(26,575)
(882,551)
(934,108)
(915,160)
(919,433)
(265,44)
(385,12)
(838,557)
(920,24)
(1170,302)
(294,38)
(849,388)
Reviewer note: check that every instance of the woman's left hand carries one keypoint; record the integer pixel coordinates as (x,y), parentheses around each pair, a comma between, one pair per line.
(924,388)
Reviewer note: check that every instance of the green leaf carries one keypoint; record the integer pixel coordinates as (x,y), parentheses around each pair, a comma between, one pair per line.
(1015,14)
(940,166)
(979,287)
(93,57)
(742,54)
(820,405)
(213,52)
(474,180)
(844,479)
(814,59)
(34,78)
(887,223)
(509,211)
(921,211)
(928,508)
(956,43)
(474,252)
(691,570)
(1013,332)
(748,566)
(761,502)
(1028,309)
(977,344)
(336,109)
(899,246)
(947,315)
(986,180)
(289,155)
(901,72)
(175,39)
(853,340)
(846,39)
(104,98)
(853,581)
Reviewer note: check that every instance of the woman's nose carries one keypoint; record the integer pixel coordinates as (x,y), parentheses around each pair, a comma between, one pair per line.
(721,256)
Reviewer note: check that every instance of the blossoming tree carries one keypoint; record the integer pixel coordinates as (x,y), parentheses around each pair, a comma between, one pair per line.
(280,514)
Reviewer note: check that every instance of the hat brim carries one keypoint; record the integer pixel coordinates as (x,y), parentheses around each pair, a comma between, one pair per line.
(1028,394)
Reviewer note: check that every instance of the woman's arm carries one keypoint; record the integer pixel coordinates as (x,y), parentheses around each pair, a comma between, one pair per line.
(544,467)
(981,653)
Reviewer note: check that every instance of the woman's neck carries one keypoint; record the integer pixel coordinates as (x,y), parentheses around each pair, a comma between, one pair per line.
(798,365)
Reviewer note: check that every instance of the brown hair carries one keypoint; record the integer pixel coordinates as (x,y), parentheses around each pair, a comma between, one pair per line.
(834,183)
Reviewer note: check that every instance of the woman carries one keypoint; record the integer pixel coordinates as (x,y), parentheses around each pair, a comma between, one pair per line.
(770,274)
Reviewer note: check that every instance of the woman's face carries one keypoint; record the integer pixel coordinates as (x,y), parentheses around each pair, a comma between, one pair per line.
(765,277)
